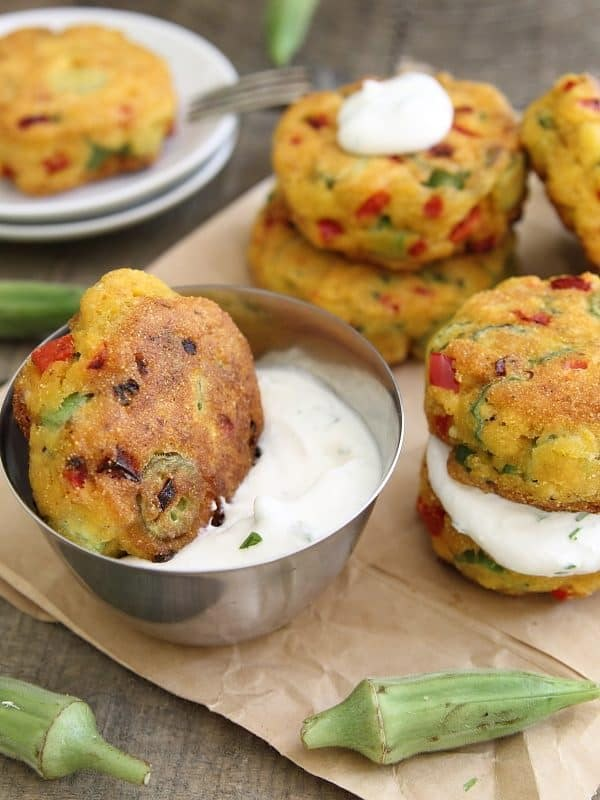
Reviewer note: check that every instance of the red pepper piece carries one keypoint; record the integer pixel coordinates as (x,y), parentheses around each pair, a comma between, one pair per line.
(8,172)
(318,121)
(418,248)
(443,149)
(389,302)
(593,103)
(441,372)
(56,163)
(397,159)
(568,85)
(571,282)
(483,245)
(125,114)
(425,291)
(329,229)
(434,207)
(61,349)
(442,424)
(373,205)
(225,423)
(99,360)
(539,317)
(296,139)
(465,131)
(34,119)
(465,227)
(432,516)
(576,363)
(75,471)
(463,109)
(561,594)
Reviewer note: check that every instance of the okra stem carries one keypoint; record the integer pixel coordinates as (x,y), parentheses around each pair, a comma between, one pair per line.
(56,735)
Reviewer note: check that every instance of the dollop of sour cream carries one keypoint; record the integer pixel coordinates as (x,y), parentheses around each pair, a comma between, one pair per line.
(401,115)
(319,465)
(517,536)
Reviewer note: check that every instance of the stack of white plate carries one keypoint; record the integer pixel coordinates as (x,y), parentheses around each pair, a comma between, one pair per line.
(190,158)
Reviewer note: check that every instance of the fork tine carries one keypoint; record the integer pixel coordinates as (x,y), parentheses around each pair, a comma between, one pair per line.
(243,87)
(266,81)
(251,102)
(263,92)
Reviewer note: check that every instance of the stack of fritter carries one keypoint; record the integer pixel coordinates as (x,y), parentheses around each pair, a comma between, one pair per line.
(510,489)
(392,244)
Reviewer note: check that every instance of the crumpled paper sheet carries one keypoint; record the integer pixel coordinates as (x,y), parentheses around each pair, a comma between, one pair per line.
(395,609)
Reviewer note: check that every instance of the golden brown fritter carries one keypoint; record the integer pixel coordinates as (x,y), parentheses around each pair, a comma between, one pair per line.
(403,211)
(397,312)
(78,105)
(513,387)
(474,563)
(142,418)
(561,132)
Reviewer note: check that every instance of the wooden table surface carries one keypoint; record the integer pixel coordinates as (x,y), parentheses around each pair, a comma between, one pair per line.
(520,45)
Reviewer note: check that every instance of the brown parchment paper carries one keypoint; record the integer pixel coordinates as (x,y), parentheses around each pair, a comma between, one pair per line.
(395,609)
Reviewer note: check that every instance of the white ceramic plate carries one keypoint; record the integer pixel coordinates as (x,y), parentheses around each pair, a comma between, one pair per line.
(48,232)
(196,66)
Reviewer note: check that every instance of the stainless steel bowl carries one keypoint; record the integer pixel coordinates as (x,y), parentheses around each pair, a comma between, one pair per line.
(216,607)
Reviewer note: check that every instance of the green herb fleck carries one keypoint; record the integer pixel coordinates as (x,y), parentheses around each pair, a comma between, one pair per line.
(328,180)
(64,412)
(573,534)
(441,177)
(99,154)
(594,302)
(383,223)
(461,453)
(509,469)
(546,121)
(581,515)
(469,784)
(250,540)
(479,557)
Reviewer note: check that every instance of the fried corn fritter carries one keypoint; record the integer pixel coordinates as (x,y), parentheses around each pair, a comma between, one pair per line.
(402,211)
(397,312)
(512,387)
(474,563)
(140,419)
(79,104)
(561,132)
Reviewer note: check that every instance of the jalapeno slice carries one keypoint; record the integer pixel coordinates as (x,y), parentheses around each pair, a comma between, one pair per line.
(168,497)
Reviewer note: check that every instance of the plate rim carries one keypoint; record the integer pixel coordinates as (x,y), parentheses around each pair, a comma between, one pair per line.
(131,215)
(146,185)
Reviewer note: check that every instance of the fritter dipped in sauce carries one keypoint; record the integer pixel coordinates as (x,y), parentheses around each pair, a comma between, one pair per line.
(140,419)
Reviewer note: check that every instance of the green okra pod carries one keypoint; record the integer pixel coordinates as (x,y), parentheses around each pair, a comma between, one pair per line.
(56,735)
(287,25)
(34,308)
(389,719)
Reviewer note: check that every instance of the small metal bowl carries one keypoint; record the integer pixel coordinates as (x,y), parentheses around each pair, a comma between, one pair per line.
(216,607)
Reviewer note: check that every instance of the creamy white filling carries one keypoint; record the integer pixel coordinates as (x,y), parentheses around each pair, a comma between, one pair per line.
(401,115)
(517,536)
(319,465)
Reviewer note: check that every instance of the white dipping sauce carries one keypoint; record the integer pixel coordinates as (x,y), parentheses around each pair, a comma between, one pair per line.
(401,115)
(519,537)
(319,464)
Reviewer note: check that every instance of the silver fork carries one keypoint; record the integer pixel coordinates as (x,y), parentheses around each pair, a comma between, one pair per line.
(258,90)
